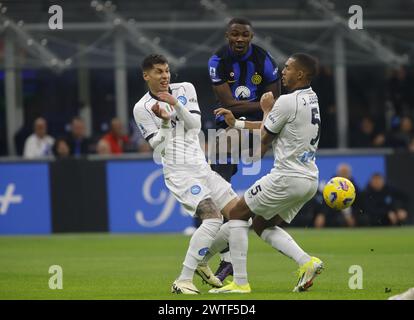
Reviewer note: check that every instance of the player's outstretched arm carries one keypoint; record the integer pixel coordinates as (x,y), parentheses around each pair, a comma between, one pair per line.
(238,124)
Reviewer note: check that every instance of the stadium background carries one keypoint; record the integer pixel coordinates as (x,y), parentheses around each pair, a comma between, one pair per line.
(90,69)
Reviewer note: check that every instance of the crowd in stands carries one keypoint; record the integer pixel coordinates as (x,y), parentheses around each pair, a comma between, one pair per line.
(390,125)
(378,204)
(76,143)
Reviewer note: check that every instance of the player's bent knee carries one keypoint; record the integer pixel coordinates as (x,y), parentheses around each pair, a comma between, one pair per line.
(240,211)
(260,223)
(207,209)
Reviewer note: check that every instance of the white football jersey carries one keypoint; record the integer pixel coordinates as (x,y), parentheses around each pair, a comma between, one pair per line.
(182,151)
(295,120)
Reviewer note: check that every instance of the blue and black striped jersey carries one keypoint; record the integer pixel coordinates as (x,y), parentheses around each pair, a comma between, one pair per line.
(247,76)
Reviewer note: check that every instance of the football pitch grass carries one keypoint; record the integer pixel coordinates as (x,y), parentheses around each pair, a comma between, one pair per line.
(108,266)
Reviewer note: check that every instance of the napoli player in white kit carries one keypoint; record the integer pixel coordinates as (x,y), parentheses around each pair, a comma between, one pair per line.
(169,118)
(292,125)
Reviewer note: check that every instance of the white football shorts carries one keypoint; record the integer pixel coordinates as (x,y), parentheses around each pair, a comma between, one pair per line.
(189,188)
(280,195)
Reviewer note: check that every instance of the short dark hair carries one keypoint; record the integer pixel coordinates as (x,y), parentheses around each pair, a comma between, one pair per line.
(149,61)
(308,63)
(242,21)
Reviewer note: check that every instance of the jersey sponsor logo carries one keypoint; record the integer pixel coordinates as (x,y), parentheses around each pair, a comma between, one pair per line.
(256,79)
(212,72)
(242,92)
(196,189)
(193,100)
(182,99)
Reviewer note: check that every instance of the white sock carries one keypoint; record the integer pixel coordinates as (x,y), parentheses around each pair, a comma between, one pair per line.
(199,244)
(239,242)
(282,241)
(221,241)
(225,256)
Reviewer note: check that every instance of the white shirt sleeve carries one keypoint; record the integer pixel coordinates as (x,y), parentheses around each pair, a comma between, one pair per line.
(279,115)
(148,126)
(188,110)
(146,122)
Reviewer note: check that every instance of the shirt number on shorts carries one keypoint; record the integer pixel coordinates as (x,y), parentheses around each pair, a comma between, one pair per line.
(256,190)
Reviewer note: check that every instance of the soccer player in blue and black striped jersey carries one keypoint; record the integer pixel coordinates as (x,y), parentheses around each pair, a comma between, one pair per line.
(240,73)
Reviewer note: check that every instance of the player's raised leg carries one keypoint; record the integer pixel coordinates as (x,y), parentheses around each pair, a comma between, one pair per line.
(270,232)
(201,240)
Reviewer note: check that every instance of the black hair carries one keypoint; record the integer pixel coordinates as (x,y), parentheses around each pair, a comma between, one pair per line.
(242,21)
(308,63)
(149,61)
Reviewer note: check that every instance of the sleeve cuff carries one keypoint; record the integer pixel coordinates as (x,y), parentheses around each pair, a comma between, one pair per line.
(271,132)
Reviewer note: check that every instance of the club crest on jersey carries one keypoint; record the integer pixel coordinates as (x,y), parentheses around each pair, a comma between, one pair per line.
(202,252)
(242,92)
(182,99)
(196,189)
(256,79)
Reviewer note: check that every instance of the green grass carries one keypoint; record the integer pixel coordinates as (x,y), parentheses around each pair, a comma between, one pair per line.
(103,266)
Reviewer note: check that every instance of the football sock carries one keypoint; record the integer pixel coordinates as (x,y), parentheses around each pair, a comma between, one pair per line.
(225,254)
(239,241)
(199,244)
(282,241)
(221,241)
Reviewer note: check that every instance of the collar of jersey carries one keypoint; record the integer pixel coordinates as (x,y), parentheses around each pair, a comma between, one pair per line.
(155,97)
(301,88)
(244,57)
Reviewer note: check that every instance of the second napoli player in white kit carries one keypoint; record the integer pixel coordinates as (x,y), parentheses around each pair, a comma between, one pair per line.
(169,118)
(292,125)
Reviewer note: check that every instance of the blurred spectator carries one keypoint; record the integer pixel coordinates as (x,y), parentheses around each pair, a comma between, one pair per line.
(115,139)
(137,142)
(102,147)
(400,91)
(38,144)
(411,145)
(61,149)
(402,138)
(383,205)
(365,136)
(77,141)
